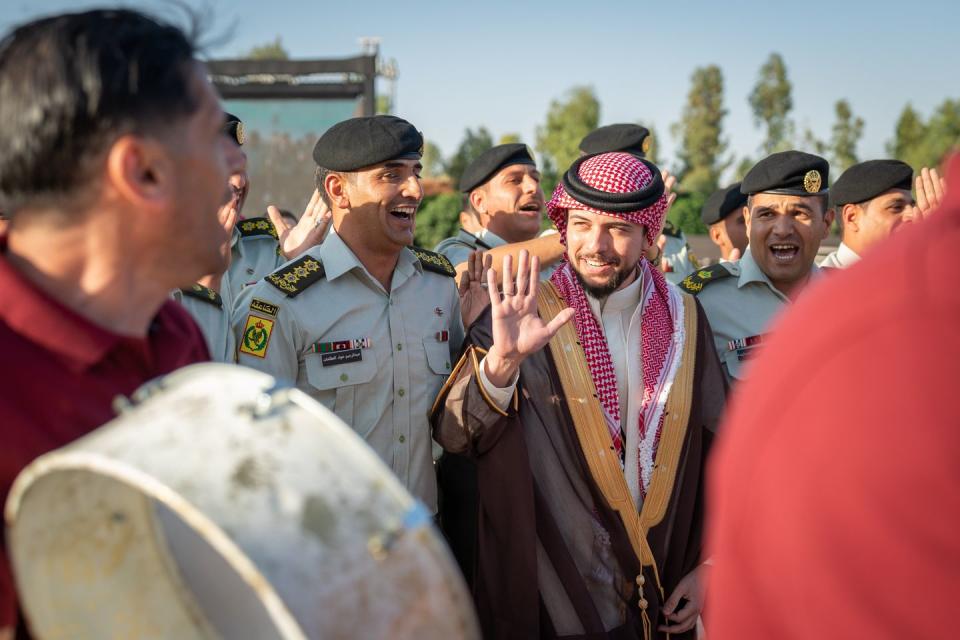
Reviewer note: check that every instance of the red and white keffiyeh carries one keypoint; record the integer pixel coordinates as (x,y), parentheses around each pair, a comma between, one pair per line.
(661,327)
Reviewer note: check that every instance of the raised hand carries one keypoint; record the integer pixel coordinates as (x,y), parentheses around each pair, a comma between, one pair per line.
(930,188)
(309,230)
(669,181)
(691,588)
(517,329)
(473,298)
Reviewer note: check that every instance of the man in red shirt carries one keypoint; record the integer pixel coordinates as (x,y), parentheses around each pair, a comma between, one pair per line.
(112,167)
(834,492)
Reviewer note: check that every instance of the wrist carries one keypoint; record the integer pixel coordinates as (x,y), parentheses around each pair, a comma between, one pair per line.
(500,370)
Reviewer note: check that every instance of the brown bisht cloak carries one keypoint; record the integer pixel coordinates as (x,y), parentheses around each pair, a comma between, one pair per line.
(553,559)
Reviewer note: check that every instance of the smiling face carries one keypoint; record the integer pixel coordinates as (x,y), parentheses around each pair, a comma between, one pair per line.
(603,251)
(785,234)
(511,203)
(377,206)
(871,222)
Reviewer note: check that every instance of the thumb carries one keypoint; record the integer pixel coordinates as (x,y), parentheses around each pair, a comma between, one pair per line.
(734,255)
(559,320)
(278,222)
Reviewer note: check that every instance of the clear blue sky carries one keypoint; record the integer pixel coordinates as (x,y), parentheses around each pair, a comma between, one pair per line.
(500,63)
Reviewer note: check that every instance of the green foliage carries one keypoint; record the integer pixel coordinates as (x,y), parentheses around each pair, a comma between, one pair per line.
(771,101)
(847,131)
(470,148)
(437,218)
(743,167)
(509,138)
(269,51)
(384,105)
(432,160)
(925,144)
(700,132)
(568,121)
(654,143)
(685,213)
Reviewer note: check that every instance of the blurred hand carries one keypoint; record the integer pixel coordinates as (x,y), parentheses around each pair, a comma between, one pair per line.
(473,297)
(692,588)
(930,188)
(309,230)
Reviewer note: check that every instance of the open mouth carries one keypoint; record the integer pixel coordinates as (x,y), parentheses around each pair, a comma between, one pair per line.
(531,207)
(405,212)
(784,253)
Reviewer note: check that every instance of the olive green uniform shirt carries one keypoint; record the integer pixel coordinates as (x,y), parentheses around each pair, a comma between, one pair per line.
(377,359)
(254,254)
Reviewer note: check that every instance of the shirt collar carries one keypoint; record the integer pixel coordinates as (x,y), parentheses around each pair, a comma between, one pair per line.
(847,256)
(337,259)
(750,271)
(491,239)
(626,298)
(35,315)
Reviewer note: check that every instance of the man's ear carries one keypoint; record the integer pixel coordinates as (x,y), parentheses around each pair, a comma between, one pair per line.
(140,171)
(746,220)
(336,186)
(478,200)
(850,216)
(716,235)
(828,216)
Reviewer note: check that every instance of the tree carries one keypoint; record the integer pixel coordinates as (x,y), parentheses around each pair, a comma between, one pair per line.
(270,51)
(654,146)
(743,167)
(558,140)
(685,213)
(812,144)
(437,218)
(509,138)
(908,134)
(432,160)
(772,102)
(847,131)
(470,148)
(700,132)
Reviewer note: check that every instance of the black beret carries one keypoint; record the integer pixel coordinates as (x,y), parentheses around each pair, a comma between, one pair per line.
(869,179)
(631,138)
(233,127)
(491,161)
(792,173)
(362,142)
(722,203)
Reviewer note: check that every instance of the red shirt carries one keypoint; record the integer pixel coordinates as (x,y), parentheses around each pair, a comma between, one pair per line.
(835,489)
(61,374)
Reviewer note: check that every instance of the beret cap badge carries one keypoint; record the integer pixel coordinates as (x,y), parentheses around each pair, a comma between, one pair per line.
(646,144)
(812,181)
(241,134)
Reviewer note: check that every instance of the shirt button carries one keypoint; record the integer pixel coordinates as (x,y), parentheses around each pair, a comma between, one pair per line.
(344,377)
(399,347)
(402,439)
(401,393)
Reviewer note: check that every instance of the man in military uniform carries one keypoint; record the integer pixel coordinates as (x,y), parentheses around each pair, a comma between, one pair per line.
(503,196)
(672,252)
(364,323)
(787,217)
(872,199)
(260,245)
(723,215)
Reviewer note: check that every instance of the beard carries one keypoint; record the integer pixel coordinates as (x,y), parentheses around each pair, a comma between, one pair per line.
(602,291)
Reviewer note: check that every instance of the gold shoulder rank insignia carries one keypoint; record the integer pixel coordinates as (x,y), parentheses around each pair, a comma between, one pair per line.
(252,227)
(201,292)
(696,281)
(434,262)
(294,278)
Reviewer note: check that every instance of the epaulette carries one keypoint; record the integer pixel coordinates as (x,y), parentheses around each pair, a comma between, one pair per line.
(257,227)
(434,262)
(295,277)
(696,281)
(201,292)
(670,229)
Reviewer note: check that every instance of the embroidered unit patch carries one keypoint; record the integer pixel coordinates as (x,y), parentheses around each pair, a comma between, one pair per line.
(256,336)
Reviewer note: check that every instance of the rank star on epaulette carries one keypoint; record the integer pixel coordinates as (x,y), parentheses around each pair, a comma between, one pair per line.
(434,262)
(205,294)
(695,282)
(257,227)
(294,278)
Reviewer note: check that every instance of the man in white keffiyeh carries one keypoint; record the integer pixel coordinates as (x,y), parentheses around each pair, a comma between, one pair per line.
(590,437)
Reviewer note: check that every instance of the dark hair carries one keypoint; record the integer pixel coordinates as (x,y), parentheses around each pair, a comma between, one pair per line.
(320,177)
(468,207)
(71,84)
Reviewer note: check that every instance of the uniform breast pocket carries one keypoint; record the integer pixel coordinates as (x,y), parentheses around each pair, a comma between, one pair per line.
(438,356)
(337,385)
(736,360)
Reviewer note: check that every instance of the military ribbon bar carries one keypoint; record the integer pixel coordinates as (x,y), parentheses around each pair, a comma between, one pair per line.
(743,343)
(340,345)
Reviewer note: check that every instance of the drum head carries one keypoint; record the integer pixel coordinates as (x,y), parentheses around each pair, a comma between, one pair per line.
(220,506)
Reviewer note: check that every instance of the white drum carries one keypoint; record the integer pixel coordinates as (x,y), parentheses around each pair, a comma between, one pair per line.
(219,506)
